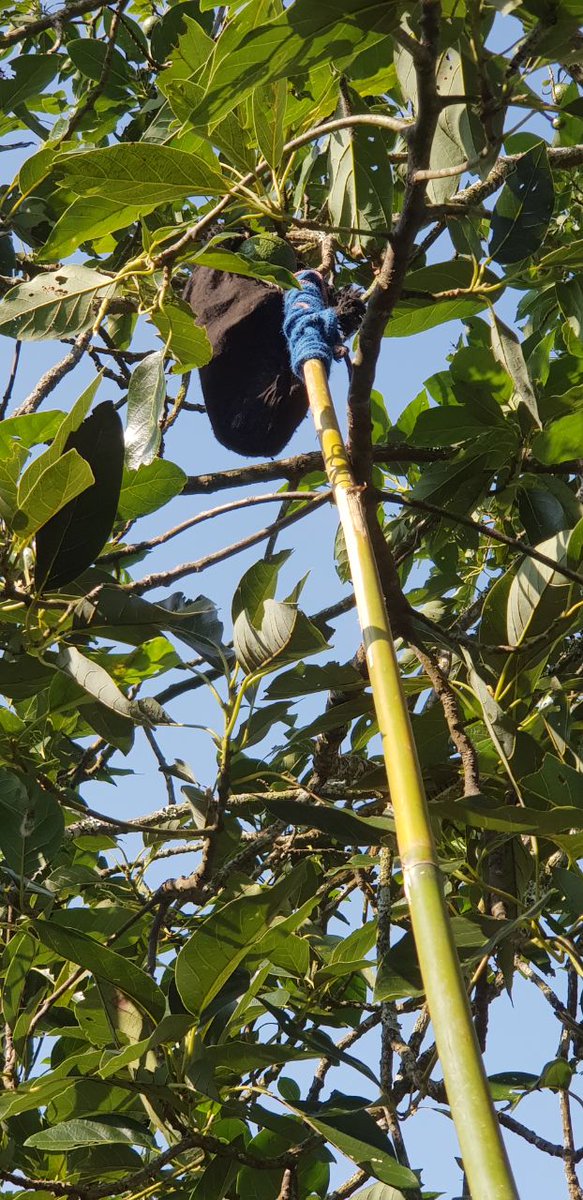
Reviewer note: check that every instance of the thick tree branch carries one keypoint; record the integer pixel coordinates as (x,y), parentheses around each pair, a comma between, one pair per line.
(77,9)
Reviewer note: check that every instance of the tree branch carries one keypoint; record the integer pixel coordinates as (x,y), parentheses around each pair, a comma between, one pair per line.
(77,9)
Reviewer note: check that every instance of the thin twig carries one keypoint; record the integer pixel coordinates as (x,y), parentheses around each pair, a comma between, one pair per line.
(163,578)
(48,382)
(459,519)
(207,515)
(11,380)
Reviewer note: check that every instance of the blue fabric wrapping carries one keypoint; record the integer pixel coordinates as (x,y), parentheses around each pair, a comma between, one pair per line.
(310,327)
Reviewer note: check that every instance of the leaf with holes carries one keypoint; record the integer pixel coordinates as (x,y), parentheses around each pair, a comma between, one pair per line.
(56,304)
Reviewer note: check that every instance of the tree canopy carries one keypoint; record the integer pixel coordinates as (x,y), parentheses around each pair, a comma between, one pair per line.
(191,1036)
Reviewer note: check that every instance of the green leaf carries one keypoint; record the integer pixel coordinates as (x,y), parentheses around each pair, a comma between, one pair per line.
(284,634)
(31,74)
(257,585)
(90,56)
(53,305)
(87,218)
(379,1191)
(355,1133)
(560,441)
(309,678)
(268,107)
(74,537)
(31,824)
(448,426)
(361,191)
(416,313)
(556,783)
(146,396)
(66,427)
(31,430)
(23,677)
(103,963)
(398,974)
(62,481)
(35,1094)
(524,208)
(222,941)
(140,174)
(226,260)
(75,1134)
(453,141)
(93,679)
(538,594)
(508,351)
(291,44)
(341,823)
(149,488)
(186,341)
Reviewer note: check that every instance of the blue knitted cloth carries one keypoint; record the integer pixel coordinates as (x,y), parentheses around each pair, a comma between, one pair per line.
(310,327)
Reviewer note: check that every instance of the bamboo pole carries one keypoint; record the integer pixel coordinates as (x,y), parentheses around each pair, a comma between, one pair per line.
(484,1156)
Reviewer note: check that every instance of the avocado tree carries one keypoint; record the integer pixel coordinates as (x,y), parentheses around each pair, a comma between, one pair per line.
(217,995)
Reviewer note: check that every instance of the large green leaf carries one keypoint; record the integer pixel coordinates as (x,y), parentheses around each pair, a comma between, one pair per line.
(103,963)
(218,259)
(354,1132)
(89,217)
(75,1134)
(91,56)
(560,441)
(416,313)
(291,44)
(31,824)
(33,429)
(454,140)
(73,538)
(223,940)
(146,396)
(30,75)
(55,304)
(149,488)
(524,208)
(62,481)
(361,191)
(66,427)
(346,826)
(140,173)
(268,105)
(281,635)
(538,594)
(508,351)
(186,341)
(257,585)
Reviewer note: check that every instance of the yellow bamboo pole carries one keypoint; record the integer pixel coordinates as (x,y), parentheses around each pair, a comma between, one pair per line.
(485,1161)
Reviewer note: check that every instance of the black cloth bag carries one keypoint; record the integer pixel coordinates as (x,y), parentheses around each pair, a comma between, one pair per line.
(254,401)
